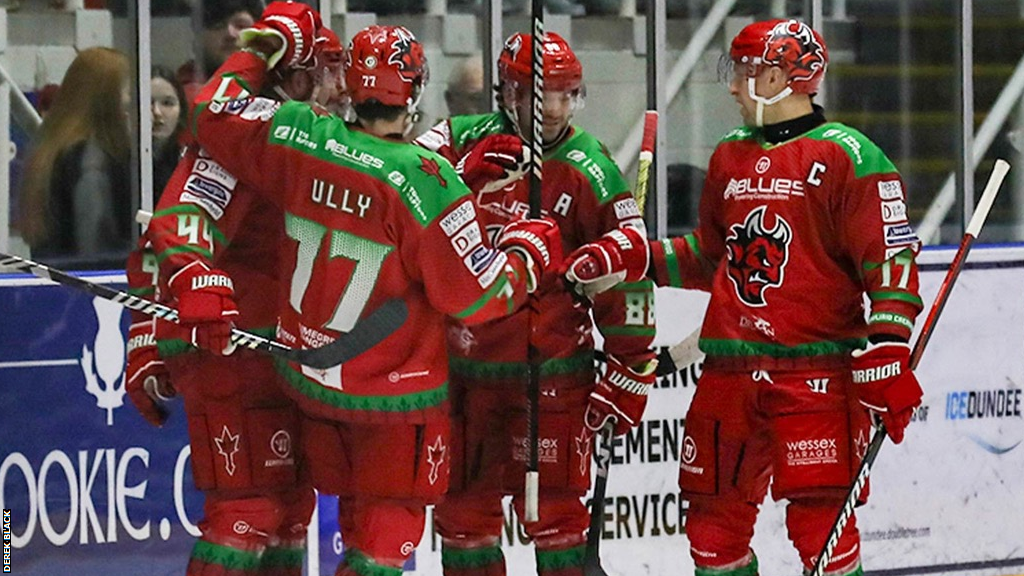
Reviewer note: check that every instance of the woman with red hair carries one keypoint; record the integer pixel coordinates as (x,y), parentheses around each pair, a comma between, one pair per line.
(76,196)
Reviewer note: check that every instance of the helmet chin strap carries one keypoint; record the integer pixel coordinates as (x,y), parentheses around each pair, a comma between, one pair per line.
(762,101)
(412,114)
(280,92)
(512,113)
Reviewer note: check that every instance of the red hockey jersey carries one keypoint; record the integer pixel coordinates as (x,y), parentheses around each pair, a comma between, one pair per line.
(206,214)
(586,194)
(790,238)
(365,220)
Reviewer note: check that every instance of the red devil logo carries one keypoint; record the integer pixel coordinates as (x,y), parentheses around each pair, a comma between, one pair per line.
(402,57)
(757,256)
(792,45)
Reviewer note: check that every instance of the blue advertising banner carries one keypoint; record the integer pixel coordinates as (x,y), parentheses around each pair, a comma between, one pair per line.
(88,483)
(90,486)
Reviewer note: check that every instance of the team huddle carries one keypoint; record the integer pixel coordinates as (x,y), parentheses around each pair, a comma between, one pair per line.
(304,204)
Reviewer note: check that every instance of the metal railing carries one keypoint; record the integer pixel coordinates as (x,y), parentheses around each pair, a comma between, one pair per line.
(677,76)
(13,104)
(928,229)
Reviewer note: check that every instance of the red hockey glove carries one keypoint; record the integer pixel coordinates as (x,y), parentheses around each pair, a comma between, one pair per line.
(295,25)
(206,305)
(537,241)
(493,163)
(146,378)
(621,394)
(886,385)
(622,255)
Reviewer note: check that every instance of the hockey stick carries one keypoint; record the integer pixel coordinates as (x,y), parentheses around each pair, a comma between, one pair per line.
(592,554)
(672,358)
(973,229)
(367,332)
(681,355)
(643,168)
(532,480)
(684,352)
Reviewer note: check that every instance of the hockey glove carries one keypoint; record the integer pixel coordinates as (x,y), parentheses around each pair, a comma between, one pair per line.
(538,242)
(622,255)
(295,25)
(493,163)
(621,394)
(147,380)
(885,385)
(206,306)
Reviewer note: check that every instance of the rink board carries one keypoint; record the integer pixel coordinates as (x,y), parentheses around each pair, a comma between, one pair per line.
(94,490)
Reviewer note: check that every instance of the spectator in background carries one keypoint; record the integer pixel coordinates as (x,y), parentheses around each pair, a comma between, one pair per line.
(167,103)
(76,194)
(465,92)
(222,21)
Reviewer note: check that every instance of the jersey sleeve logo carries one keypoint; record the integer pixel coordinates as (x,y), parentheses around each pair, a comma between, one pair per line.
(757,256)
(432,168)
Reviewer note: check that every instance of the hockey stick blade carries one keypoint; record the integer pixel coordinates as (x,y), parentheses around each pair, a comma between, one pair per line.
(995,180)
(679,356)
(671,359)
(366,333)
(592,553)
(603,453)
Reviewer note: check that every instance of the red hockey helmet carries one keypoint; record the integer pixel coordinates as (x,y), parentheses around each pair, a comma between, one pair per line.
(386,64)
(791,45)
(329,71)
(562,70)
(330,52)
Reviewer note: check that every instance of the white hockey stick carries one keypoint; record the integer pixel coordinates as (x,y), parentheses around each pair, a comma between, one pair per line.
(684,353)
(973,229)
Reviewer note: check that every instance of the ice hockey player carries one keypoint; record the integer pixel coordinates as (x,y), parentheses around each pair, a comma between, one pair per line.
(586,194)
(800,218)
(368,217)
(212,247)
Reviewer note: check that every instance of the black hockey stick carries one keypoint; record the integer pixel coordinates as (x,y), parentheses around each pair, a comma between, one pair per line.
(671,359)
(367,332)
(592,555)
(603,456)
(532,481)
(973,229)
